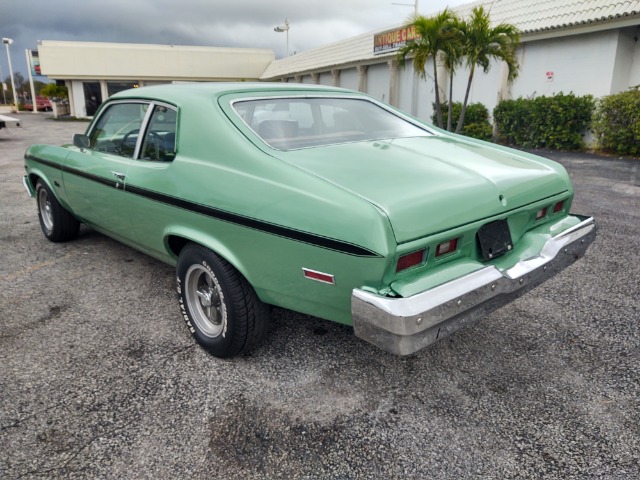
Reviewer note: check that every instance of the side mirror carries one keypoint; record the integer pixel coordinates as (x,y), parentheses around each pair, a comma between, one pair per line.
(80,140)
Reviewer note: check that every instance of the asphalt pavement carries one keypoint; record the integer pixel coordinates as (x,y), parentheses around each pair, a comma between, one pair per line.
(100,378)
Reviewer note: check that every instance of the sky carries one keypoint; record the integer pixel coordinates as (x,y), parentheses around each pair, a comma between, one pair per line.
(214,23)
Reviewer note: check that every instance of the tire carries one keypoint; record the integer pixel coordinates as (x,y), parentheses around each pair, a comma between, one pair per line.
(57,224)
(221,309)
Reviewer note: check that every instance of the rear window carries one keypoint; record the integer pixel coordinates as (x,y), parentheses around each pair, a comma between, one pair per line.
(297,122)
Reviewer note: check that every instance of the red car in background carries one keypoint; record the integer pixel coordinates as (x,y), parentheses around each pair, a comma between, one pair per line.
(42,104)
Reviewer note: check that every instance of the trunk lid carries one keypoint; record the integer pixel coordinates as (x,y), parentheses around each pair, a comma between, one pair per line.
(430,184)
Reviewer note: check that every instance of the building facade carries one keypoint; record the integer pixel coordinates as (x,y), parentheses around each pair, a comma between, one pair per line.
(93,71)
(579,46)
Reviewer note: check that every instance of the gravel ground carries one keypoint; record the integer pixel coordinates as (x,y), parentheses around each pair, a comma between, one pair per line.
(99,378)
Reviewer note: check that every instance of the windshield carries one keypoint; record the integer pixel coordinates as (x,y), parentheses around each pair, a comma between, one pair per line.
(298,122)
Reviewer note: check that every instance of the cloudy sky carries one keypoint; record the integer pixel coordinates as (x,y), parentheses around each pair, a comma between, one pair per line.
(218,23)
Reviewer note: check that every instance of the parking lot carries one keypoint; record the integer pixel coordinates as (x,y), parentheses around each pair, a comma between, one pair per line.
(100,378)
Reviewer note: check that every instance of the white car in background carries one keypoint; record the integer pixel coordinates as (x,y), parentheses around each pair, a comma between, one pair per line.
(6,121)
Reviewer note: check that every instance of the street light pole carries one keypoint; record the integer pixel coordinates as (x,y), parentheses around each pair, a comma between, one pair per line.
(4,94)
(415,6)
(7,42)
(284,28)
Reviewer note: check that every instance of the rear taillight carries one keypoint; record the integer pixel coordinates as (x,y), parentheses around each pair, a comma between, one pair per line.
(541,213)
(558,207)
(410,260)
(447,247)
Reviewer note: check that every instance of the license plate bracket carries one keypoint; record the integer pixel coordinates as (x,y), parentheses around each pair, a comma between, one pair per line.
(494,239)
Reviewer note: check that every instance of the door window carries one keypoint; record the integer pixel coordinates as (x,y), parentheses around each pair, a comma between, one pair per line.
(160,137)
(118,128)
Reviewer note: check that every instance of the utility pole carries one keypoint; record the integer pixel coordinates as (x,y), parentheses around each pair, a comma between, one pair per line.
(7,42)
(284,28)
(415,6)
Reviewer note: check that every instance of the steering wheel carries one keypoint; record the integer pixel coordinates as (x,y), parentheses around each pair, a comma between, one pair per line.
(128,145)
(153,146)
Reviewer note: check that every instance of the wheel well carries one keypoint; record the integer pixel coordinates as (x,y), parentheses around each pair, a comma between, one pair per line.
(33,178)
(176,244)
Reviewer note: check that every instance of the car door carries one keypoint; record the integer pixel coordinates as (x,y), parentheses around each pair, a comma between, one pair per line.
(151,183)
(94,177)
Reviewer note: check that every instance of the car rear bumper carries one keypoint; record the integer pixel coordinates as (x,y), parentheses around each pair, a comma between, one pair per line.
(405,325)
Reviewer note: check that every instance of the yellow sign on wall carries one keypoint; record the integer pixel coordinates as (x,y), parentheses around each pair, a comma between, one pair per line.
(393,40)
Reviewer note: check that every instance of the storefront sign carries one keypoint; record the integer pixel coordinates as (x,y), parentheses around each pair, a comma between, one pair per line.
(393,40)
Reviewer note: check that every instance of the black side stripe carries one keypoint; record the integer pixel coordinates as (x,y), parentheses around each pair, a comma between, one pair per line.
(266,227)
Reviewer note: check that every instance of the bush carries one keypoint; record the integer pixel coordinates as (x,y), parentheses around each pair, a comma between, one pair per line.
(476,119)
(556,122)
(482,131)
(616,122)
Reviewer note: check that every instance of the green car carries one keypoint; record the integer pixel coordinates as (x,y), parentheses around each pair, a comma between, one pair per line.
(315,199)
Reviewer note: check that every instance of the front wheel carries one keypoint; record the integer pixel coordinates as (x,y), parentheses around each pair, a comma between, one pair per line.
(221,309)
(57,224)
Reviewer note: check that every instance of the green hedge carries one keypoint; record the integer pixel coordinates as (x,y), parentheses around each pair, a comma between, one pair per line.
(556,122)
(476,119)
(616,122)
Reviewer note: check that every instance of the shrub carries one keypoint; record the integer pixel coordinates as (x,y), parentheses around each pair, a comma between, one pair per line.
(482,131)
(556,122)
(616,122)
(476,119)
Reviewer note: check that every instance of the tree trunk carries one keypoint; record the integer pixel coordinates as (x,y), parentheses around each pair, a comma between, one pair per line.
(450,111)
(435,77)
(466,99)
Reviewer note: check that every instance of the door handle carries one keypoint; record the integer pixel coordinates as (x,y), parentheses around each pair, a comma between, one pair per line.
(118,175)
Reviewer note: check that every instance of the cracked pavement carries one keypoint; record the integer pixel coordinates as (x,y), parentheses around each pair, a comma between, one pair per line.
(99,378)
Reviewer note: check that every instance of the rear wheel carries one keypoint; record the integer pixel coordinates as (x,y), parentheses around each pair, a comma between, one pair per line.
(57,224)
(221,309)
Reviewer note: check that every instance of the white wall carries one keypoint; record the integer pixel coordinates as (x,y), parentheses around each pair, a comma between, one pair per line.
(77,91)
(326,79)
(77,60)
(425,94)
(582,64)
(349,78)
(634,74)
(407,82)
(622,66)
(484,87)
(378,78)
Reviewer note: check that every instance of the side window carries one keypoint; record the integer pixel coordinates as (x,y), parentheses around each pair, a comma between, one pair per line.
(336,119)
(160,138)
(118,128)
(301,113)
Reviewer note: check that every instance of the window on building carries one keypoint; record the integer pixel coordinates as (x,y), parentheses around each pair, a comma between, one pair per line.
(115,87)
(92,97)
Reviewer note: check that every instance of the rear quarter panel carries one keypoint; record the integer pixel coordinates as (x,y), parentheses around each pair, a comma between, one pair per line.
(267,218)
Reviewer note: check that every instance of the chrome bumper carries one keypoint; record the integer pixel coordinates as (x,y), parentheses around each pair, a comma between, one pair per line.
(28,187)
(405,325)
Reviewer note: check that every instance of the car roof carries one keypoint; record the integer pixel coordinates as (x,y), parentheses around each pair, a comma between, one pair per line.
(187,91)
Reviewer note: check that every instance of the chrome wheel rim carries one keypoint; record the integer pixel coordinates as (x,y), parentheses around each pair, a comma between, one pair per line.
(44,206)
(205,300)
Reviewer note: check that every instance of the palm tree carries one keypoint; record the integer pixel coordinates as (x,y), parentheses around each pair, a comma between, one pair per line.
(452,54)
(434,34)
(482,44)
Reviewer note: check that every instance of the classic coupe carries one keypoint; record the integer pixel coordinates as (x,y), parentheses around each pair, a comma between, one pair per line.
(316,199)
